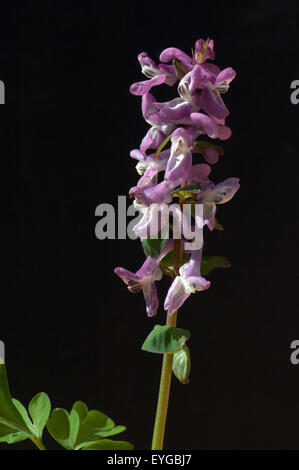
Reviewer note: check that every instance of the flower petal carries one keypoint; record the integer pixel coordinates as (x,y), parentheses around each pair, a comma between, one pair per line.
(213,104)
(222,192)
(172,53)
(174,110)
(153,138)
(224,132)
(176,296)
(151,299)
(209,52)
(198,172)
(126,275)
(226,75)
(140,88)
(149,178)
(150,269)
(206,124)
(178,167)
(210,155)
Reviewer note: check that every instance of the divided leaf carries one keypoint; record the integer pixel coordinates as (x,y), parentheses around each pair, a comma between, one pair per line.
(75,430)
(24,413)
(13,426)
(80,427)
(39,409)
(59,426)
(10,435)
(109,444)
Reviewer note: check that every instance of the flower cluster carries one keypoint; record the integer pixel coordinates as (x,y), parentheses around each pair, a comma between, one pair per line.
(197,110)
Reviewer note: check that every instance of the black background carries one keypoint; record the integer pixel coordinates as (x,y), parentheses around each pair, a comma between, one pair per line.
(70,327)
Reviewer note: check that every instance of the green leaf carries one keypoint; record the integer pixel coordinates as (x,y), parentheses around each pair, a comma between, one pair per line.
(39,409)
(201,145)
(81,409)
(74,420)
(108,444)
(24,413)
(153,246)
(208,263)
(80,427)
(59,427)
(9,435)
(94,426)
(116,430)
(9,414)
(165,339)
(166,263)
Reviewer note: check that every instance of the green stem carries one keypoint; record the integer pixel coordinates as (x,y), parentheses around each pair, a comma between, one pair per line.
(165,382)
(38,443)
(166,373)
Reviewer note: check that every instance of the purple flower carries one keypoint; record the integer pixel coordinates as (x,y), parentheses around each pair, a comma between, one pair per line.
(210,155)
(198,173)
(216,194)
(205,125)
(197,110)
(159,161)
(149,166)
(212,82)
(163,118)
(153,219)
(149,177)
(210,98)
(150,112)
(160,127)
(186,95)
(155,136)
(204,50)
(140,88)
(156,74)
(173,53)
(188,282)
(144,279)
(180,160)
(151,70)
(174,111)
(152,203)
(154,194)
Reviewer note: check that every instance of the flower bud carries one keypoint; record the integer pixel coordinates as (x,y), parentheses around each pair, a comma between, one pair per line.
(181,364)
